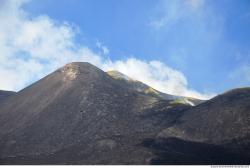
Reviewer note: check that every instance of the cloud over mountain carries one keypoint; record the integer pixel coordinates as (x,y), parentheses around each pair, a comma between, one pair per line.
(33,46)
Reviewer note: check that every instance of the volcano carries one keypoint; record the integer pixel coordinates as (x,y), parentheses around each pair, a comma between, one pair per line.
(80,114)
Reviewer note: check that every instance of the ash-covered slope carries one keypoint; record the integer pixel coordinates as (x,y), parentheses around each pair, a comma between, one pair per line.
(219,120)
(5,94)
(80,115)
(139,86)
(145,89)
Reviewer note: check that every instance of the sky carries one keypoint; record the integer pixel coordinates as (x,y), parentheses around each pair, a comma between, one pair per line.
(196,48)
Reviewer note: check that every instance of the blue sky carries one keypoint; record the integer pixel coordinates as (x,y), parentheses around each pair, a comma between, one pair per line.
(207,41)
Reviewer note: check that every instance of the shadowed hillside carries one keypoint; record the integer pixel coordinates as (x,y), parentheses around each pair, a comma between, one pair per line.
(219,120)
(5,94)
(81,115)
(80,107)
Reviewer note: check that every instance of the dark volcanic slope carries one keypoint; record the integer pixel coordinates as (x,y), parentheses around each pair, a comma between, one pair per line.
(81,115)
(5,94)
(215,132)
(219,120)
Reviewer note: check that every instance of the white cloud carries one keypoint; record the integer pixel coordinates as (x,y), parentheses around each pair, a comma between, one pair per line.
(158,75)
(104,49)
(32,47)
(171,11)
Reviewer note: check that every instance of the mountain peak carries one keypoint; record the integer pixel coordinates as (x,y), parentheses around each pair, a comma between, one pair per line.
(73,70)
